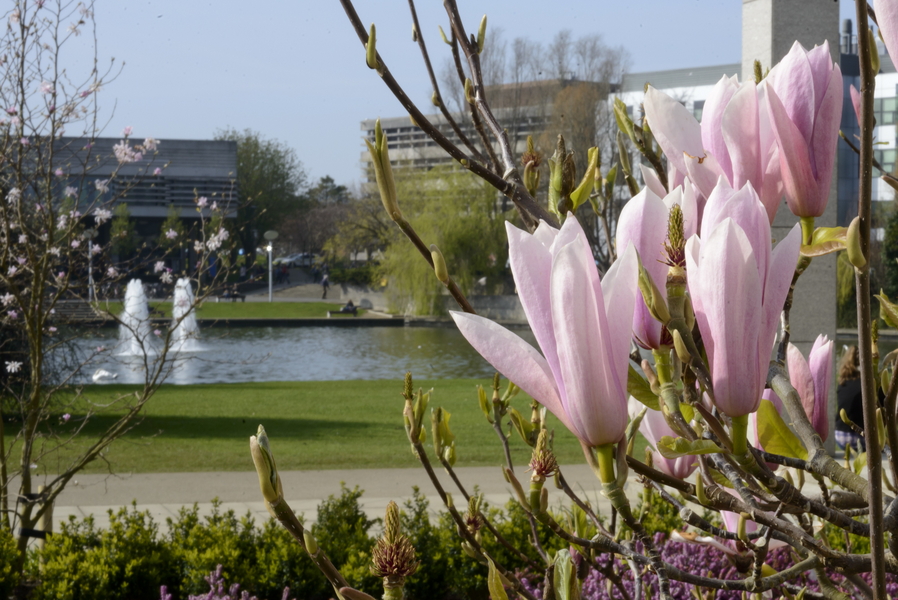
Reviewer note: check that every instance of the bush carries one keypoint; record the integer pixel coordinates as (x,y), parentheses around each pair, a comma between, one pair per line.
(363,275)
(127,561)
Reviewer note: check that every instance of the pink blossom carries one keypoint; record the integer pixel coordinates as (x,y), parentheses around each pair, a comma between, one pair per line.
(21,260)
(166,277)
(157,171)
(59,172)
(54,251)
(582,325)
(202,202)
(75,243)
(95,249)
(12,110)
(52,329)
(127,131)
(7,299)
(653,428)
(25,141)
(86,93)
(171,234)
(111,272)
(13,314)
(66,417)
(61,275)
(101,215)
(738,286)
(23,239)
(102,185)
(156,332)
(805,103)
(47,88)
(149,144)
(158,266)
(70,191)
(101,348)
(12,271)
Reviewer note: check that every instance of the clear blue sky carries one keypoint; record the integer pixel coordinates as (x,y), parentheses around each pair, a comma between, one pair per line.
(295,70)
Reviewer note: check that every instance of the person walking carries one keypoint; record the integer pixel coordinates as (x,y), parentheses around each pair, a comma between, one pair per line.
(325,283)
(849,398)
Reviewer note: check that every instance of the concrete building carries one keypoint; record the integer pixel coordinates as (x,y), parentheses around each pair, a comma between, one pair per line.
(188,169)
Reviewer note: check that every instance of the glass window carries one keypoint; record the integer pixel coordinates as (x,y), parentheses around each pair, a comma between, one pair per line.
(887,118)
(697,108)
(888,156)
(877,104)
(890,104)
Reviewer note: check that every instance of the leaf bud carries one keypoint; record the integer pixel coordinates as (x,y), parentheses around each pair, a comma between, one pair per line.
(311,542)
(652,296)
(383,172)
(874,52)
(624,155)
(481,35)
(469,91)
(414,34)
(371,48)
(740,527)
(680,347)
(700,489)
(443,35)
(543,500)
(435,99)
(853,245)
(269,482)
(439,265)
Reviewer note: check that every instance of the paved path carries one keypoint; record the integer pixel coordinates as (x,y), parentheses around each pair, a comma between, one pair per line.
(163,494)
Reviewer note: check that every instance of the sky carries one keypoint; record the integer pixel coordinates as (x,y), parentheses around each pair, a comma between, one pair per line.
(295,70)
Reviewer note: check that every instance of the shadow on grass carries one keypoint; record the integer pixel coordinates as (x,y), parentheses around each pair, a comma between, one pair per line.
(180,427)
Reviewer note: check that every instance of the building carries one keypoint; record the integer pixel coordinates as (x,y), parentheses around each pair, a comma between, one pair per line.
(188,169)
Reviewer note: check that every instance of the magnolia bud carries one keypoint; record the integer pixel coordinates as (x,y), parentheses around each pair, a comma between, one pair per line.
(265,465)
(469,91)
(481,35)
(439,265)
(853,245)
(874,52)
(445,39)
(434,99)
(700,489)
(740,527)
(383,172)
(311,543)
(371,55)
(652,296)
(680,347)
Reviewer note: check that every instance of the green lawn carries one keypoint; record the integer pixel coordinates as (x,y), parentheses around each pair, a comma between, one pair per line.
(312,425)
(248,310)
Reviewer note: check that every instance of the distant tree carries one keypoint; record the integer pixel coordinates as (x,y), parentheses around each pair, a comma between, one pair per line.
(174,223)
(327,192)
(457,211)
(122,233)
(890,256)
(271,180)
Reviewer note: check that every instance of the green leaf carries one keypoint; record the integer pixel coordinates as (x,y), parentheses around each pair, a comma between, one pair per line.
(688,411)
(775,436)
(887,310)
(579,195)
(676,447)
(639,388)
(860,462)
(624,122)
(826,240)
(494,582)
(720,478)
(564,573)
(633,426)
(523,427)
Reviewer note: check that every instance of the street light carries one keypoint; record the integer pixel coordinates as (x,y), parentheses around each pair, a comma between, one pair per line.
(270,235)
(90,234)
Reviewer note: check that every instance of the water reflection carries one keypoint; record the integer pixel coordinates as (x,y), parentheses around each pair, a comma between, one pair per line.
(302,354)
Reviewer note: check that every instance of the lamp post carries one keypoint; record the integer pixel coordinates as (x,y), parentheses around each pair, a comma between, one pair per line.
(91,234)
(270,235)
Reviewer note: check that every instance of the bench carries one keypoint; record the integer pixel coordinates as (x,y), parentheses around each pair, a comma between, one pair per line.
(232,296)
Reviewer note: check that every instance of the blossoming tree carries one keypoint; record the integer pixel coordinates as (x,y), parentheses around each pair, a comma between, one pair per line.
(51,205)
(698,285)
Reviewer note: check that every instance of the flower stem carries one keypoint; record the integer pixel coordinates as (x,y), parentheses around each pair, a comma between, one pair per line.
(807,230)
(606,462)
(740,435)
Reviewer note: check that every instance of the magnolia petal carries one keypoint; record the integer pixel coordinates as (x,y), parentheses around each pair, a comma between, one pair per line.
(821,365)
(703,171)
(887,19)
(826,136)
(545,233)
(652,181)
(772,192)
(674,127)
(514,358)
(619,291)
(783,261)
(799,183)
(793,84)
(713,136)
(727,282)
(821,70)
(643,222)
(801,379)
(531,265)
(741,130)
(856,102)
(593,400)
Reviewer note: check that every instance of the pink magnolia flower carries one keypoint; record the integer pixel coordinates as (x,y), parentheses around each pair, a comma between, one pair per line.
(734,139)
(59,172)
(805,103)
(582,325)
(47,88)
(738,286)
(75,243)
(887,19)
(643,222)
(25,141)
(157,171)
(12,314)
(111,272)
(653,428)
(171,234)
(202,202)
(127,131)
(811,379)
(157,332)
(66,417)
(52,330)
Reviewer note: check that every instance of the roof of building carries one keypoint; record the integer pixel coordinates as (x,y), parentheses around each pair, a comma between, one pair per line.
(690,77)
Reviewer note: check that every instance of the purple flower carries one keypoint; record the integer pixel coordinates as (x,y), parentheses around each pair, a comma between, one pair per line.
(66,417)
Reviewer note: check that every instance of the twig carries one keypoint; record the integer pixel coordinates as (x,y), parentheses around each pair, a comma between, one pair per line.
(864,323)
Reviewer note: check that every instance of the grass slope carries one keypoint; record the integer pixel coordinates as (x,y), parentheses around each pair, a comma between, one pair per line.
(312,425)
